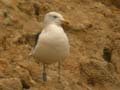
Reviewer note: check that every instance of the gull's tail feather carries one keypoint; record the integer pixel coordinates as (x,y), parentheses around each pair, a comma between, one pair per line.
(31,53)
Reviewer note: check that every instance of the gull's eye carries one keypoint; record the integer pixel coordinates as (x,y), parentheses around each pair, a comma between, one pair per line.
(55,17)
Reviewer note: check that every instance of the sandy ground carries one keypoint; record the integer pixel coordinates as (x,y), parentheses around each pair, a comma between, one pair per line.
(94,35)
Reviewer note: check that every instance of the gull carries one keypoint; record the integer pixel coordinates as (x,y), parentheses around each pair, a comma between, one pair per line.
(52,44)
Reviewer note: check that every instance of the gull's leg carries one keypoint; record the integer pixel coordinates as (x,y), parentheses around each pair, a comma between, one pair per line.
(59,71)
(44,76)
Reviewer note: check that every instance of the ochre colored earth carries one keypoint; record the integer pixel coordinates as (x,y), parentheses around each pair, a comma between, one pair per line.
(94,36)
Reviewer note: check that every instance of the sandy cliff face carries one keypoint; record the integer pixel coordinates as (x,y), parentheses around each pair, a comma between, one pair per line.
(94,35)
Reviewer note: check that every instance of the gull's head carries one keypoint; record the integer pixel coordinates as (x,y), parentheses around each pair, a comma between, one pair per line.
(54,18)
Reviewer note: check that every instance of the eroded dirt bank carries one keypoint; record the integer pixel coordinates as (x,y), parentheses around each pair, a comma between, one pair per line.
(94,34)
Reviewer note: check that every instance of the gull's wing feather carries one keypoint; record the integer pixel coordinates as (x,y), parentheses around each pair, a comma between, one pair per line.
(36,40)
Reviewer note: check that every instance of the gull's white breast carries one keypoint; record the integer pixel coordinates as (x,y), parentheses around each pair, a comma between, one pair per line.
(52,45)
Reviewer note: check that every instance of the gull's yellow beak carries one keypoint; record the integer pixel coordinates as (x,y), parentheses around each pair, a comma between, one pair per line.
(65,22)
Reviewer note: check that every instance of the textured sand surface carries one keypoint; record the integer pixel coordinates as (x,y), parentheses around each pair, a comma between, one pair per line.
(94,34)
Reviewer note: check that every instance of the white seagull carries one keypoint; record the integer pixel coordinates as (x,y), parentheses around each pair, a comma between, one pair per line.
(52,44)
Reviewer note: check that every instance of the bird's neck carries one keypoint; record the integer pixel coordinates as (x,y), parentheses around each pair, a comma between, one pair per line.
(52,27)
(51,24)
